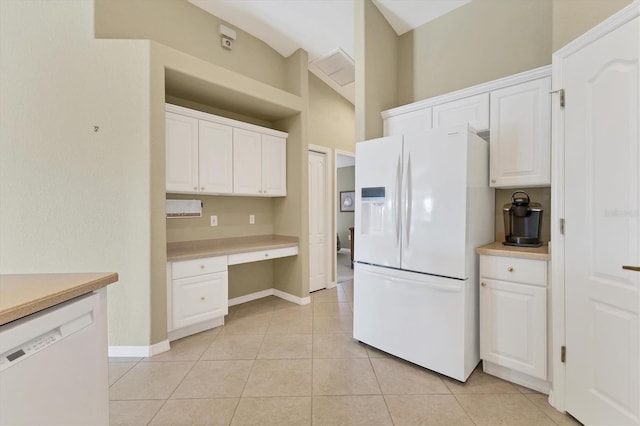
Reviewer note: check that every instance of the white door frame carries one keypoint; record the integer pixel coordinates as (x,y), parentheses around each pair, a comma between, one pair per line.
(335,210)
(557,396)
(327,224)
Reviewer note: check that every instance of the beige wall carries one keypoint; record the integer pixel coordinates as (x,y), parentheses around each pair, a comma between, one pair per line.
(187,28)
(572,18)
(72,199)
(478,42)
(376,58)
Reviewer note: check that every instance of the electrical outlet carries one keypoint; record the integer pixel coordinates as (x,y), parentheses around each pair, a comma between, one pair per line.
(214,220)
(252,219)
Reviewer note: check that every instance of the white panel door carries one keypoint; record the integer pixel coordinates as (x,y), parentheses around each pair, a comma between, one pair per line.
(409,122)
(520,140)
(513,326)
(247,162)
(602,229)
(274,165)
(215,158)
(434,207)
(377,215)
(181,153)
(473,110)
(318,234)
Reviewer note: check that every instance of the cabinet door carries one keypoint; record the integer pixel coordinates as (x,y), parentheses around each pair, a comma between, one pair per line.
(473,110)
(274,166)
(247,162)
(513,326)
(181,153)
(199,298)
(409,122)
(215,158)
(520,143)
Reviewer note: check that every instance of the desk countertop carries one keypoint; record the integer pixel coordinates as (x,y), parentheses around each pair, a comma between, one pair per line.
(224,246)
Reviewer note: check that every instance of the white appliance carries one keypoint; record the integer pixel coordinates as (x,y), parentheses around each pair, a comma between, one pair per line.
(423,204)
(53,365)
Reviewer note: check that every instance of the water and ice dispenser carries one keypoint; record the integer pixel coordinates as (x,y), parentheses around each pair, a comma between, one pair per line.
(372,210)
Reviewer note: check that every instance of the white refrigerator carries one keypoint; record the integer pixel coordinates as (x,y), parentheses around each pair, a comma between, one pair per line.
(423,205)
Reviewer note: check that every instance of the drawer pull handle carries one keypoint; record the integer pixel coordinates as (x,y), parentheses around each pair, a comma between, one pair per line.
(631,268)
(483,284)
(510,269)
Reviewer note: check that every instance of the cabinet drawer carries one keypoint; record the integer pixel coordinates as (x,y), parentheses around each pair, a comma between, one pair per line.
(254,256)
(206,265)
(197,299)
(512,269)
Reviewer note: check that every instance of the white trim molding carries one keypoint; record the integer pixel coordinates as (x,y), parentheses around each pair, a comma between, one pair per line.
(139,351)
(500,83)
(269,292)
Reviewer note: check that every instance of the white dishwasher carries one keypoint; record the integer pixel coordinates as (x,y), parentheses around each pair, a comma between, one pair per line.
(54,367)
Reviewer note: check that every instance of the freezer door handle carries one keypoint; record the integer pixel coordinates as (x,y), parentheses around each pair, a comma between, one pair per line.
(398,200)
(407,202)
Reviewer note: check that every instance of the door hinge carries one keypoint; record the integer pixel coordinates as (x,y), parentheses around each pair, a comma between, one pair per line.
(562,226)
(561,92)
(563,354)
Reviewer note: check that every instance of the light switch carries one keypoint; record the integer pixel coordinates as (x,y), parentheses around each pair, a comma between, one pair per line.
(214,220)
(252,219)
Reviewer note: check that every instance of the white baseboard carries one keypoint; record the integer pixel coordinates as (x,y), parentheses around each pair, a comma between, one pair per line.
(249,297)
(269,292)
(516,377)
(195,328)
(139,351)
(291,297)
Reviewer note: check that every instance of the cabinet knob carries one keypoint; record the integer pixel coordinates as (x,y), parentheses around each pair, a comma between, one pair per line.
(510,269)
(195,188)
(201,266)
(202,188)
(266,255)
(202,298)
(483,284)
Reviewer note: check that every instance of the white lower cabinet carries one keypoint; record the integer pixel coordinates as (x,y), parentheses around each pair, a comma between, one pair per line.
(513,319)
(197,295)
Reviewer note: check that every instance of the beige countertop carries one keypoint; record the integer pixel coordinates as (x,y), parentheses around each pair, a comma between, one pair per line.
(224,246)
(25,294)
(499,249)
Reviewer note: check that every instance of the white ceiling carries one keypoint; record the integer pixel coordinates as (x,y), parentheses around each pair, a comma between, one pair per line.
(320,27)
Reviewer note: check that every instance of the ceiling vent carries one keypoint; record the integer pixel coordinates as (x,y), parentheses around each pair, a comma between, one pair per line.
(338,66)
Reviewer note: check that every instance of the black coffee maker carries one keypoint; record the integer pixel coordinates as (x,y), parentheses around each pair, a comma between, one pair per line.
(522,221)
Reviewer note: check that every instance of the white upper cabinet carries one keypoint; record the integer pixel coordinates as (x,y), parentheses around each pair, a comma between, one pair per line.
(473,110)
(207,154)
(408,122)
(215,164)
(247,162)
(181,153)
(259,164)
(520,140)
(274,166)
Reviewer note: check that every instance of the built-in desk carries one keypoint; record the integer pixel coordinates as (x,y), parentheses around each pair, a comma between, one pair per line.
(197,277)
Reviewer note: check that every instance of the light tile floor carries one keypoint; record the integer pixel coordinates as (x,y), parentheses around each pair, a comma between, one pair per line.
(277,363)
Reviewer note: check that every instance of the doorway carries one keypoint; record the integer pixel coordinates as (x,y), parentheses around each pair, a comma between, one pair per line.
(319,219)
(344,214)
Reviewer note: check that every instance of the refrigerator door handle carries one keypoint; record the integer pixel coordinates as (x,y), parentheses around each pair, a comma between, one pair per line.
(398,200)
(407,201)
